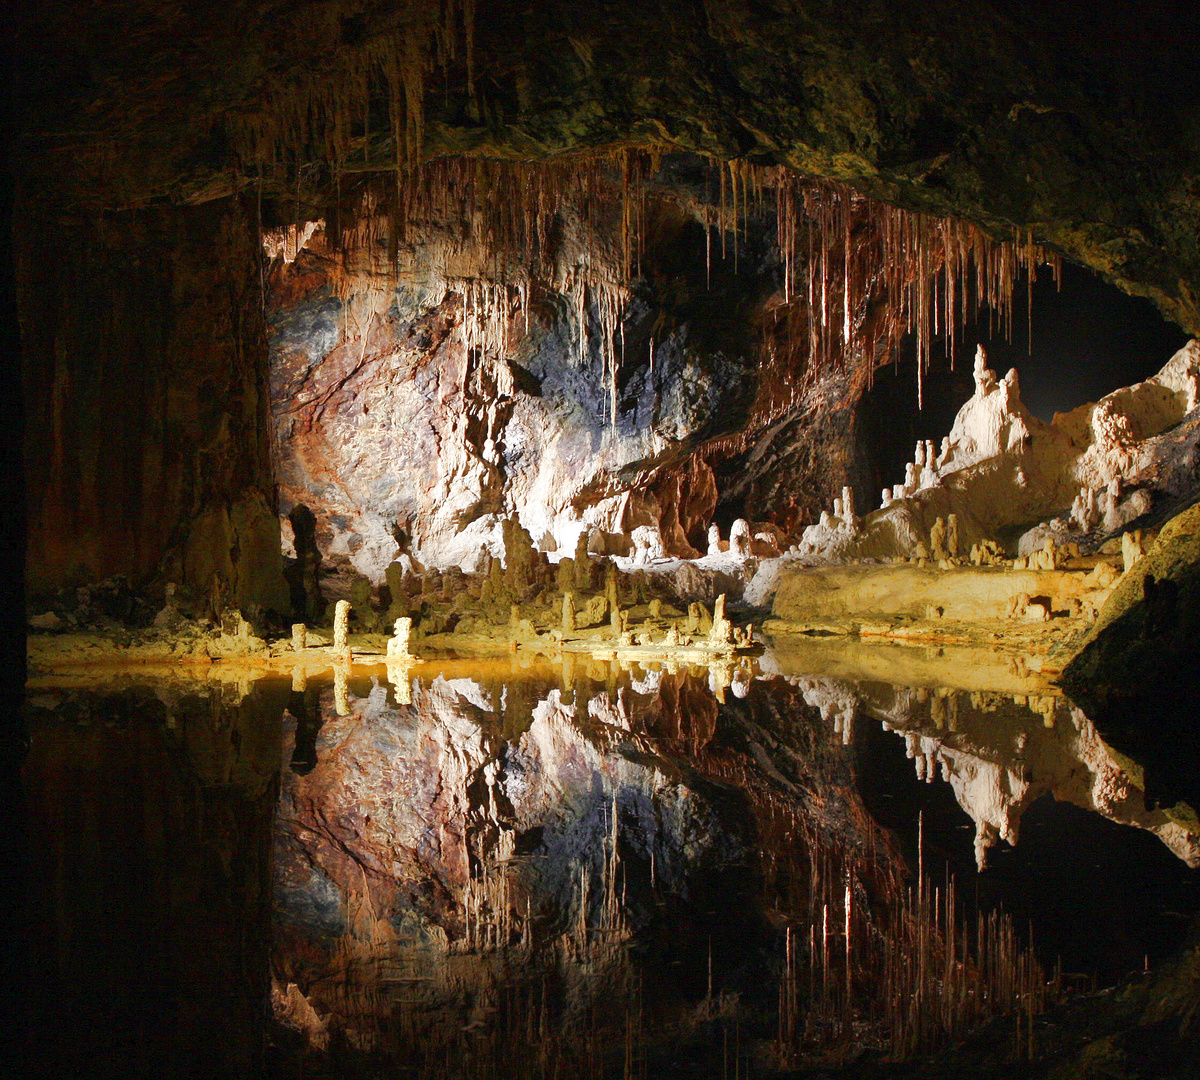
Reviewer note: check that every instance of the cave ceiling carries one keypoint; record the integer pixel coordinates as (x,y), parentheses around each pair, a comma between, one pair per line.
(1052,117)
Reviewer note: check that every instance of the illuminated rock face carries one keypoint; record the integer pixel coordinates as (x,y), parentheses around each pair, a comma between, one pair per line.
(415,410)
(1001,468)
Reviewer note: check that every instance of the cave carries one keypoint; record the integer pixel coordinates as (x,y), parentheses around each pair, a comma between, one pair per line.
(535,556)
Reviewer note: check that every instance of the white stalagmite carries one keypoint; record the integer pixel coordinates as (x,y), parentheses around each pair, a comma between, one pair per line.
(341,626)
(398,644)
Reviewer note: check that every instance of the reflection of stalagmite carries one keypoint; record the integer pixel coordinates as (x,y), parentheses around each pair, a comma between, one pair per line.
(341,689)
(299,679)
(341,626)
(398,676)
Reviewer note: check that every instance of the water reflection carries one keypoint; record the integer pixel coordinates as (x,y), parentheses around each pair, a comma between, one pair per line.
(514,868)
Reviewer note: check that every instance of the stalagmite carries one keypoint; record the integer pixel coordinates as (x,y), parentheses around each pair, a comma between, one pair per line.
(952,535)
(341,627)
(583,564)
(739,538)
(937,540)
(699,621)
(299,636)
(714,540)
(398,644)
(568,613)
(1132,549)
(722,629)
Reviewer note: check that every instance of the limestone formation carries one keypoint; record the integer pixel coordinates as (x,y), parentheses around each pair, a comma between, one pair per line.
(583,564)
(647,545)
(937,540)
(699,621)
(595,611)
(739,538)
(299,636)
(398,644)
(341,626)
(721,632)
(1132,549)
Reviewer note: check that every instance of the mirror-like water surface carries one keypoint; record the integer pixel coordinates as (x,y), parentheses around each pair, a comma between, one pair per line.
(520,869)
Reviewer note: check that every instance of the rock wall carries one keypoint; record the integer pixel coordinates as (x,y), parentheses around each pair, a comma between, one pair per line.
(147,448)
(423,397)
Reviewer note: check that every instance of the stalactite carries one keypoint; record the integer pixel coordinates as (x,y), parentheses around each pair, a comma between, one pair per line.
(484,228)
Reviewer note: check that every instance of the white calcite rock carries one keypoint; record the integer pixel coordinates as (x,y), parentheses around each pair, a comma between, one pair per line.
(647,544)
(993,421)
(739,538)
(398,644)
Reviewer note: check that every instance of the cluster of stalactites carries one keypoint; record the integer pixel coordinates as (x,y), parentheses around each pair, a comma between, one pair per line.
(328,112)
(502,228)
(838,248)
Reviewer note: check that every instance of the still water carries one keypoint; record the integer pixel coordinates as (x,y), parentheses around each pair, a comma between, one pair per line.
(512,868)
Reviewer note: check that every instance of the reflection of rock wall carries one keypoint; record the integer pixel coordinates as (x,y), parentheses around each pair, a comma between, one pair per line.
(443,855)
(1002,752)
(149,817)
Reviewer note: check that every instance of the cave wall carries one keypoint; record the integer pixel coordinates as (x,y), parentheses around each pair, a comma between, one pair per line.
(1014,115)
(147,448)
(421,396)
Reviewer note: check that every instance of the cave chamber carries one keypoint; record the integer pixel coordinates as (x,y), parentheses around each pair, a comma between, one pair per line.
(538,557)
